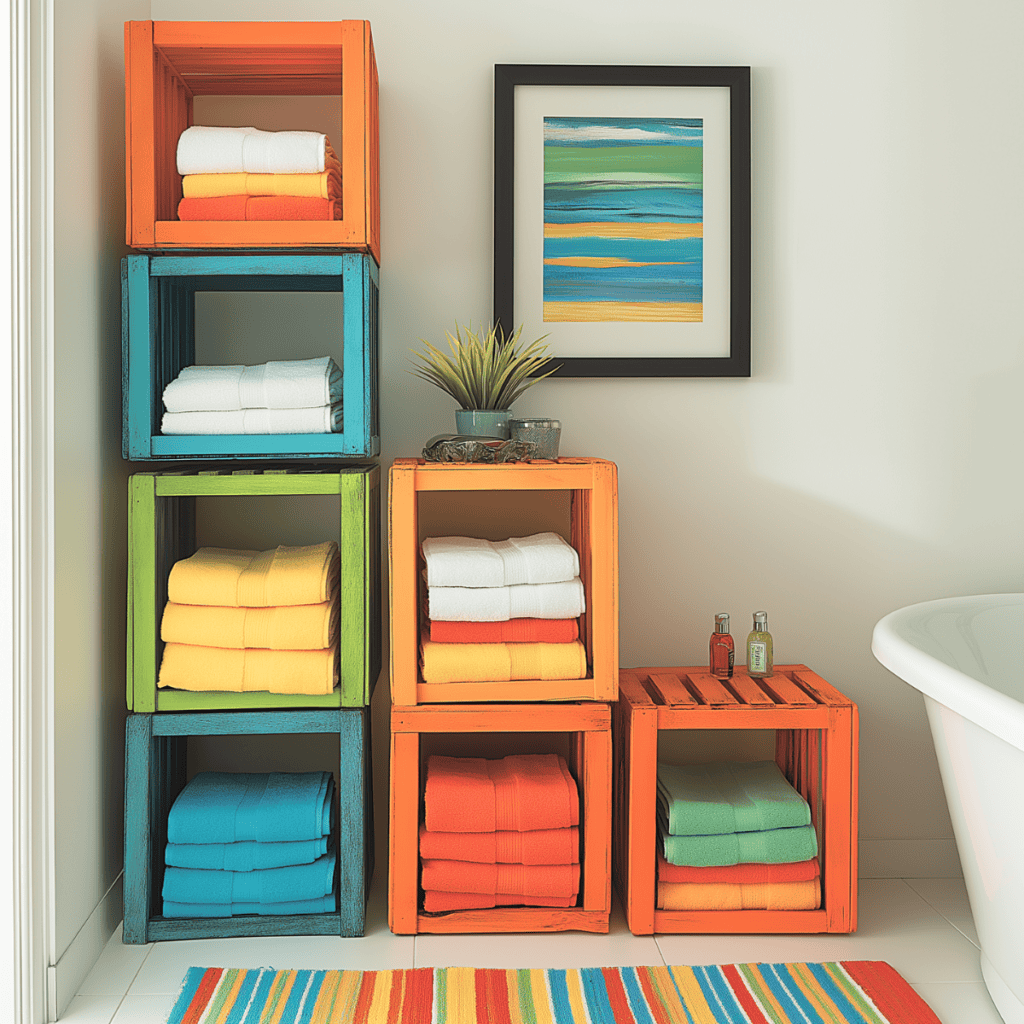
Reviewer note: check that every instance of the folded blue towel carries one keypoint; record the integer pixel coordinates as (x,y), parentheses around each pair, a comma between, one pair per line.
(233,807)
(727,796)
(247,856)
(270,885)
(323,905)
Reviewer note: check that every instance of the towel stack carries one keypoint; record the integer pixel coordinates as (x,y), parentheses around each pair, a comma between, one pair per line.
(247,174)
(500,833)
(289,396)
(502,610)
(241,843)
(735,836)
(251,620)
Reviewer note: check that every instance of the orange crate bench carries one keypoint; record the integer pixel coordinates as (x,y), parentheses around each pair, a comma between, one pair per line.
(816,742)
(591,763)
(593,531)
(167,63)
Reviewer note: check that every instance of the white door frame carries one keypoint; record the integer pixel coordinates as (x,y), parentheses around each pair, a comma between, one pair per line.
(26,518)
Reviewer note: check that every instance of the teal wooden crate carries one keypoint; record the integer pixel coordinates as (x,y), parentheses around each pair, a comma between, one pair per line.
(158,341)
(156,770)
(162,530)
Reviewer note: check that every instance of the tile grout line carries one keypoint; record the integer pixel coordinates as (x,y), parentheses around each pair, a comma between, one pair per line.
(951,923)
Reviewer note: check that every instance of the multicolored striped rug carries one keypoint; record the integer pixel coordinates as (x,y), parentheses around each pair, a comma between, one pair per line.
(850,992)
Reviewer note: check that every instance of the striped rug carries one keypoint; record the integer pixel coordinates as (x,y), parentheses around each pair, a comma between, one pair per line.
(858,991)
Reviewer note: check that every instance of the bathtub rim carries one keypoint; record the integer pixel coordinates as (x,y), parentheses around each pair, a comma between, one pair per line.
(996,712)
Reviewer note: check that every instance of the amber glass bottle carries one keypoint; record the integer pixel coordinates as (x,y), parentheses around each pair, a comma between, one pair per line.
(760,657)
(721,650)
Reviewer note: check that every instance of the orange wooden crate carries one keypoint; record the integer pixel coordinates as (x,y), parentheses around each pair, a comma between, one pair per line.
(816,742)
(594,534)
(167,63)
(591,764)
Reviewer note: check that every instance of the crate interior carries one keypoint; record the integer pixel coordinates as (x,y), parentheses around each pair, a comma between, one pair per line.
(498,515)
(176,759)
(494,746)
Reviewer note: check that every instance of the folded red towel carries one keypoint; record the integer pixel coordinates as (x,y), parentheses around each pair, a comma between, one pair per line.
(517,793)
(512,631)
(508,879)
(795,871)
(540,846)
(258,208)
(434,902)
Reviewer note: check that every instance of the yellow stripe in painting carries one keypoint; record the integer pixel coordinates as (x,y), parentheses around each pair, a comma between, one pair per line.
(541,998)
(577,1004)
(693,995)
(325,997)
(623,312)
(818,998)
(280,991)
(380,1004)
(610,261)
(461,996)
(661,230)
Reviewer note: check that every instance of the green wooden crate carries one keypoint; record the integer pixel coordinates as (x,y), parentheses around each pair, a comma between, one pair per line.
(162,530)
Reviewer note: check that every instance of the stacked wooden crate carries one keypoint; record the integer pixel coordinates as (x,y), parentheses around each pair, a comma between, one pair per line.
(167,64)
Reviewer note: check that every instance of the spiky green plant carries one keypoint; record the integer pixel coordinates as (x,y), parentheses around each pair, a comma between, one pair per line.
(485,370)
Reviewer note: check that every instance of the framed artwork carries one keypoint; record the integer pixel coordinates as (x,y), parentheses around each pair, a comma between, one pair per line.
(622,216)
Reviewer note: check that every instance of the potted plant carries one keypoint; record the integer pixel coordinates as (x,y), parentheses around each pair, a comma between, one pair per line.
(485,373)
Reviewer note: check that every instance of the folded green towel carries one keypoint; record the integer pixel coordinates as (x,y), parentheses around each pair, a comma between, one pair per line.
(773,846)
(714,799)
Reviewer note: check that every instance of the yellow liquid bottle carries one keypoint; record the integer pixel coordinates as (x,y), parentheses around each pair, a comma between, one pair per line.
(760,657)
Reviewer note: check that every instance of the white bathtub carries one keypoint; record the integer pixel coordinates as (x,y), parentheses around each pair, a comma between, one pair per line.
(966,655)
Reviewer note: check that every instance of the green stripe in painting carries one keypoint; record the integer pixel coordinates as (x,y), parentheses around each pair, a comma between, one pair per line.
(600,159)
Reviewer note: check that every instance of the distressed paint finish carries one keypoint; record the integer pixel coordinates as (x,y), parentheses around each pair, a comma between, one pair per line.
(155,773)
(158,342)
(594,487)
(591,764)
(167,63)
(161,531)
(816,746)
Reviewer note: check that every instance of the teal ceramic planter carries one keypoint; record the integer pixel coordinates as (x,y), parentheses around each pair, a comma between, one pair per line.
(483,422)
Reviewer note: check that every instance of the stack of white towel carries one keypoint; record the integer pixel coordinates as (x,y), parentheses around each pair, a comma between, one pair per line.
(291,396)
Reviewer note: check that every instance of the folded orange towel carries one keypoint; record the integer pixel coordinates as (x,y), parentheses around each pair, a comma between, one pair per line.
(438,902)
(258,208)
(326,185)
(289,627)
(539,846)
(518,793)
(187,667)
(515,631)
(739,896)
(508,879)
(256,579)
(467,663)
(796,871)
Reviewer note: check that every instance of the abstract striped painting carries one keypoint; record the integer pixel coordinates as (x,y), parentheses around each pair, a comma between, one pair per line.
(623,219)
(852,992)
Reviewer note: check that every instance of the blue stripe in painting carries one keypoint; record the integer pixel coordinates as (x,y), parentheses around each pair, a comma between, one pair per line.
(780,983)
(637,1002)
(719,993)
(637,249)
(242,999)
(560,1008)
(595,994)
(835,993)
(314,991)
(188,990)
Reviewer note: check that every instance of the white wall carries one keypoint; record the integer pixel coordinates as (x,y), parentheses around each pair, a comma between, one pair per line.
(90,489)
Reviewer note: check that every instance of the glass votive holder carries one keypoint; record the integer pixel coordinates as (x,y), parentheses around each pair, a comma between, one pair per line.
(540,430)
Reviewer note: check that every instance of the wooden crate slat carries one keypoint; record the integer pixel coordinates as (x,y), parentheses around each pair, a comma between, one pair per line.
(669,689)
(629,683)
(501,718)
(748,691)
(821,689)
(779,684)
(711,691)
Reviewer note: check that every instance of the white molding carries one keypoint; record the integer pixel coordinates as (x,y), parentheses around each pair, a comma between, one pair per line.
(908,858)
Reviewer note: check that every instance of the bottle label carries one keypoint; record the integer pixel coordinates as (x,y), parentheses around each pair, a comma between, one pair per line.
(757,656)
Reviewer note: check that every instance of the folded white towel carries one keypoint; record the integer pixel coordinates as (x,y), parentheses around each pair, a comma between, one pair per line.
(563,600)
(323,419)
(279,384)
(203,149)
(471,562)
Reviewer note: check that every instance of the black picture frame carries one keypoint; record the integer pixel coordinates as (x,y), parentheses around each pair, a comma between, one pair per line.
(737,80)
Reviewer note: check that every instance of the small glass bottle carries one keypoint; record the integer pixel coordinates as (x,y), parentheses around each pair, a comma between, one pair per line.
(760,657)
(721,650)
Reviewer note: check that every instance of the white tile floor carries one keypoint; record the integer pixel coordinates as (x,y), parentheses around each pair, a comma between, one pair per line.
(923,927)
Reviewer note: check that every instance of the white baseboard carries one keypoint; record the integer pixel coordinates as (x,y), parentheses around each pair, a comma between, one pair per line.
(908,858)
(80,957)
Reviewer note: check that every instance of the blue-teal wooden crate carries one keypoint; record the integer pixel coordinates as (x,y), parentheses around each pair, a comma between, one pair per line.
(158,341)
(156,770)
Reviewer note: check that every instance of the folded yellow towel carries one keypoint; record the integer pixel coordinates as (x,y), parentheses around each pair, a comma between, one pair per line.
(256,579)
(188,667)
(739,895)
(289,627)
(468,663)
(325,185)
